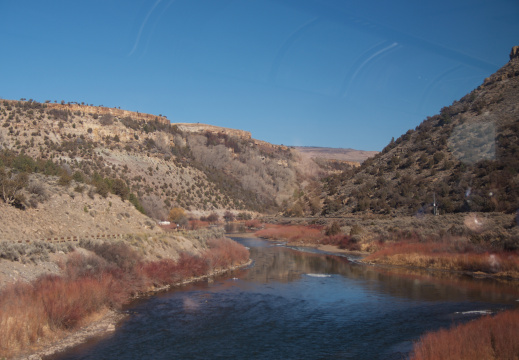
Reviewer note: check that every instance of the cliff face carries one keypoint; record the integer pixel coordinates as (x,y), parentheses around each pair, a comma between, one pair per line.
(203,128)
(121,114)
(101,110)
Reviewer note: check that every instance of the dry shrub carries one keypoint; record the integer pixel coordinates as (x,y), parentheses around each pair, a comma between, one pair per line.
(253,224)
(161,272)
(119,253)
(453,255)
(490,337)
(21,319)
(66,302)
(305,234)
(195,224)
(92,282)
(224,252)
(342,241)
(29,313)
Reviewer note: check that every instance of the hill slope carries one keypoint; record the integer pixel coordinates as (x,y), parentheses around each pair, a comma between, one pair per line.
(466,159)
(163,165)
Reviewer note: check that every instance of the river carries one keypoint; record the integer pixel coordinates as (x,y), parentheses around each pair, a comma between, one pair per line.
(296,304)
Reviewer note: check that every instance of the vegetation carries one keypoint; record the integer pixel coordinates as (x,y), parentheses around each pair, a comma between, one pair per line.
(464,159)
(177,215)
(206,171)
(108,276)
(449,253)
(490,337)
(309,236)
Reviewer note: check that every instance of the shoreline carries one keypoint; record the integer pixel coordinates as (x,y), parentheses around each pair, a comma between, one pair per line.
(333,249)
(108,320)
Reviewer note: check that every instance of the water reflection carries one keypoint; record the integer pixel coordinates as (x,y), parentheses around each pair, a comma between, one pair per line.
(298,305)
(280,264)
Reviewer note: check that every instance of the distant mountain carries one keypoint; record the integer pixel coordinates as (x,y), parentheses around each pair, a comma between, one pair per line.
(355,157)
(466,158)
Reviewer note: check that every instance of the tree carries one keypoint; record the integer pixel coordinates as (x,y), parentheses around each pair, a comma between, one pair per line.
(176,215)
(106,119)
(333,229)
(120,188)
(11,187)
(213,217)
(229,216)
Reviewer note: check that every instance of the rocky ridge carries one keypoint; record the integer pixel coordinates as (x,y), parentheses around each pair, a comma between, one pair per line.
(463,159)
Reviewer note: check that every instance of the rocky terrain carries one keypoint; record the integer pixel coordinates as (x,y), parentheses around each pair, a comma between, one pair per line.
(349,156)
(464,159)
(164,165)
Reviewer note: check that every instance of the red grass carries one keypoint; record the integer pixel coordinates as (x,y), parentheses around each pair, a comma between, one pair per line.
(91,283)
(253,224)
(161,272)
(309,235)
(447,254)
(224,253)
(197,224)
(292,233)
(490,337)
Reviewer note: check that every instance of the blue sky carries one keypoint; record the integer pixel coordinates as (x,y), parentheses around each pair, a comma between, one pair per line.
(331,73)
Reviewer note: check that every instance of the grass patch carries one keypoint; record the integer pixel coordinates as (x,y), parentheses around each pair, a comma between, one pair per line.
(490,337)
(307,235)
(449,253)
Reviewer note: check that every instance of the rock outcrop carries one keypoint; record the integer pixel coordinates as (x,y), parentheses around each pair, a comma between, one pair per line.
(202,128)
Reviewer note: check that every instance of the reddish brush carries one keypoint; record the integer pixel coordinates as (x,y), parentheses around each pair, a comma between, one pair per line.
(292,233)
(225,252)
(452,255)
(197,224)
(491,337)
(253,224)
(32,313)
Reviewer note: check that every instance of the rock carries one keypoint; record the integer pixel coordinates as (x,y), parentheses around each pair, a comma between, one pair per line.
(514,53)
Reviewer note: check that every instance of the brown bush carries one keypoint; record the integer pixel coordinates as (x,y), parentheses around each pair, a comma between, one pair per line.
(32,313)
(486,338)
(224,252)
(291,233)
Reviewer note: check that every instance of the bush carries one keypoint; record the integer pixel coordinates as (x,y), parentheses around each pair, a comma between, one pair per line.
(116,253)
(106,119)
(176,215)
(32,314)
(333,229)
(485,338)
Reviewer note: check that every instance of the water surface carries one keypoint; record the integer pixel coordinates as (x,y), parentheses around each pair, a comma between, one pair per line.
(293,304)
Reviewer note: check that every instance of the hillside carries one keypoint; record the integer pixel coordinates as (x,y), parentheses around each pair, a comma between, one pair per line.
(194,166)
(466,158)
(350,156)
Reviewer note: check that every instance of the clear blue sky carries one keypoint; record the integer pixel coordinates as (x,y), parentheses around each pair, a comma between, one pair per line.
(331,73)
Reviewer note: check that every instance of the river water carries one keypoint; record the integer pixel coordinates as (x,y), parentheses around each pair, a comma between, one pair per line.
(294,304)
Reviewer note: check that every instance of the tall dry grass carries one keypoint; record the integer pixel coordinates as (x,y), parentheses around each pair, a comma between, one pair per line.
(449,254)
(490,337)
(33,314)
(224,253)
(307,235)
(292,233)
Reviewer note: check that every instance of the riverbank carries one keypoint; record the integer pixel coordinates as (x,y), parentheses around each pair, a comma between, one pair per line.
(93,282)
(477,244)
(106,322)
(324,248)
